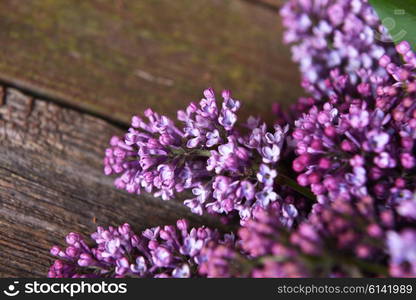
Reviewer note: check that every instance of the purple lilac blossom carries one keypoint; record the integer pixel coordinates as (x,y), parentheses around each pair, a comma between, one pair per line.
(225,169)
(367,149)
(168,251)
(260,241)
(345,155)
(402,248)
(337,235)
(334,34)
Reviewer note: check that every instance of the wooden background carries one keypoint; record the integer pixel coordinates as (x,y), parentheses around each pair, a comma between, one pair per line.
(72,73)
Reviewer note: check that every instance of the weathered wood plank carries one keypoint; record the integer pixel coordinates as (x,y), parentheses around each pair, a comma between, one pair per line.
(116,57)
(51,183)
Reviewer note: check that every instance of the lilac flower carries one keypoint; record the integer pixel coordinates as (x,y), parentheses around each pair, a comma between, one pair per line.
(341,62)
(218,261)
(182,271)
(326,35)
(197,204)
(356,147)
(227,119)
(266,175)
(266,248)
(213,138)
(255,235)
(204,123)
(229,157)
(356,152)
(402,248)
(266,196)
(154,143)
(169,251)
(209,155)
(158,157)
(407,205)
(259,239)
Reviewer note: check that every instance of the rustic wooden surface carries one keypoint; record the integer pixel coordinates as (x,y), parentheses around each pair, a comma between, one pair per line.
(51,183)
(115,57)
(84,68)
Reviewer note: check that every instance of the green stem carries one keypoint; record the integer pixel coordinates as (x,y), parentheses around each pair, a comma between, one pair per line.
(205,153)
(186,152)
(365,265)
(285,180)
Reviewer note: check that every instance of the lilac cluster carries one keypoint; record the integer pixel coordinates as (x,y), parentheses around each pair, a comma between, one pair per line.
(169,251)
(259,241)
(398,97)
(227,169)
(345,155)
(330,34)
(339,239)
(359,143)
(151,157)
(367,149)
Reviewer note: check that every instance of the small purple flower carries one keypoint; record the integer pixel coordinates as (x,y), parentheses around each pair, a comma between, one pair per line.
(162,257)
(181,272)
(266,196)
(245,190)
(213,138)
(271,154)
(266,175)
(378,140)
(139,267)
(229,103)
(289,211)
(384,160)
(402,249)
(227,119)
(407,206)
(191,246)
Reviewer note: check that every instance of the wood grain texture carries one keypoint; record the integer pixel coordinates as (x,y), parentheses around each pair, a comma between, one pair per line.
(115,57)
(51,183)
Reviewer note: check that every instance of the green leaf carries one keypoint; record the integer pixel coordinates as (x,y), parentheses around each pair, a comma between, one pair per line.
(399,17)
